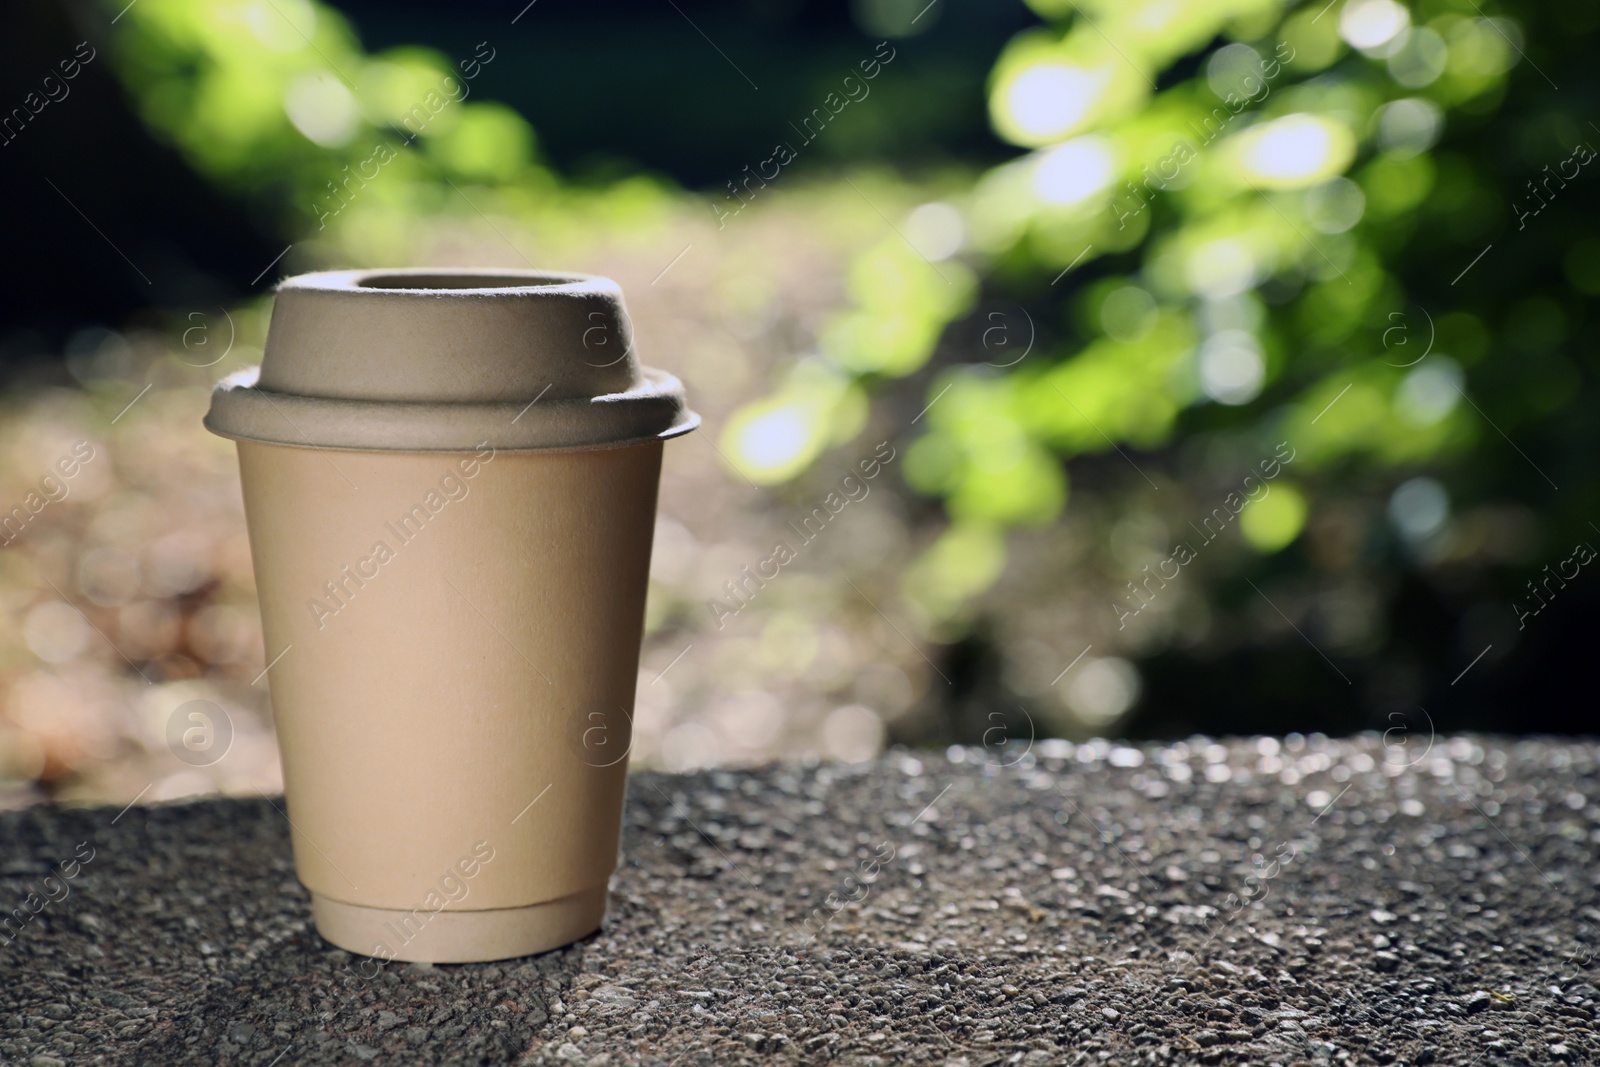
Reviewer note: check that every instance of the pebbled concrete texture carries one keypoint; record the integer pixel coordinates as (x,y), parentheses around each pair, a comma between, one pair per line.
(1303,901)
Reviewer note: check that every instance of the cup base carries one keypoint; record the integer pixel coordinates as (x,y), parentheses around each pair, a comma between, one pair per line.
(459,936)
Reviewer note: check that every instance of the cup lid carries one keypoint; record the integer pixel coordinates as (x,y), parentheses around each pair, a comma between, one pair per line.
(447,360)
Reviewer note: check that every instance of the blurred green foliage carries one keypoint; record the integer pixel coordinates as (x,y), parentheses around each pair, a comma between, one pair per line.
(1242,182)
(277,101)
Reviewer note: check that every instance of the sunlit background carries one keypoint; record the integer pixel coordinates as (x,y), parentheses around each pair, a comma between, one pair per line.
(1226,364)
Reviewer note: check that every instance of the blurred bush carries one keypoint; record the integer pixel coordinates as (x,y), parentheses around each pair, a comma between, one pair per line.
(1238,225)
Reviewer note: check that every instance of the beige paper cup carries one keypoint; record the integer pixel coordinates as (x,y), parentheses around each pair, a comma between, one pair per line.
(455,629)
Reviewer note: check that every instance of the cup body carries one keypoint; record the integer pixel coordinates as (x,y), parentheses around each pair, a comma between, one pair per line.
(450,484)
(454,639)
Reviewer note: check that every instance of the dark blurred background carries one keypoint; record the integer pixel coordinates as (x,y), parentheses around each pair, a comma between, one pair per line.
(1383,260)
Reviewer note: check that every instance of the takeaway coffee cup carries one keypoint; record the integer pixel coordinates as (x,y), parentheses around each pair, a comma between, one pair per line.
(450,486)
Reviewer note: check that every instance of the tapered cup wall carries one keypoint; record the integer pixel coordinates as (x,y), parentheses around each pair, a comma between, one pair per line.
(459,639)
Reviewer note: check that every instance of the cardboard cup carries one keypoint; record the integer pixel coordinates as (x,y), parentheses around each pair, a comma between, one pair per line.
(454,637)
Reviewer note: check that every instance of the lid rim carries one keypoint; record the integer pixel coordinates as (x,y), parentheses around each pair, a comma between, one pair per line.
(690,423)
(655,409)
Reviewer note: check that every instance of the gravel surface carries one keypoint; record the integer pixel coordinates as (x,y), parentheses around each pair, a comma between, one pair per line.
(1302,902)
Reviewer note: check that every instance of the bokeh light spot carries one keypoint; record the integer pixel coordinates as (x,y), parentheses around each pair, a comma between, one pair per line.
(1409,126)
(1231,367)
(936,230)
(1371,25)
(55,632)
(1071,173)
(319,106)
(1100,690)
(1295,151)
(1430,392)
(1050,100)
(1419,508)
(1274,520)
